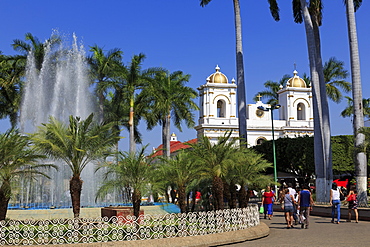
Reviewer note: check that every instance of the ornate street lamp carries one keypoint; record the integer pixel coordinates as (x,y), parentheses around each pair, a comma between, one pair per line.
(272,108)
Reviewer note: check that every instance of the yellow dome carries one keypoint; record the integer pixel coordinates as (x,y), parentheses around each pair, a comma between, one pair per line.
(217,77)
(296,81)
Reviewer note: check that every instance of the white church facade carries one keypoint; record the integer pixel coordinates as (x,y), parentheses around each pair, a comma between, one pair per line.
(218,111)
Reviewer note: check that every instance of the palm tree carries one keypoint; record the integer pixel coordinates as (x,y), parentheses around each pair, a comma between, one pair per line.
(348,111)
(242,112)
(272,88)
(180,170)
(104,69)
(134,78)
(18,159)
(11,72)
(358,116)
(335,75)
(248,172)
(214,160)
(168,98)
(133,170)
(36,46)
(77,145)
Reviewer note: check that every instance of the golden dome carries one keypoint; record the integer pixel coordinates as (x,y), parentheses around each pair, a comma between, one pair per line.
(217,77)
(296,81)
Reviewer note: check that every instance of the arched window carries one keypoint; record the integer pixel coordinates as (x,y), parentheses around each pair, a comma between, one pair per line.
(301,112)
(260,140)
(221,109)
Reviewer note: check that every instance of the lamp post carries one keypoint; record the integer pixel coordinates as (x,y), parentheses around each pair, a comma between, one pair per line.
(272,108)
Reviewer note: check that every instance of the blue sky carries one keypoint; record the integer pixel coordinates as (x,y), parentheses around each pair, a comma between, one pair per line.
(181,35)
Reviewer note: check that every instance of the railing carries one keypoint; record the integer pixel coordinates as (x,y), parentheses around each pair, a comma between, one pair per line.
(74,231)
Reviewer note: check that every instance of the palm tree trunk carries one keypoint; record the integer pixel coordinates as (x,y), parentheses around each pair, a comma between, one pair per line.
(218,191)
(233,195)
(136,200)
(320,148)
(242,112)
(227,194)
(182,199)
(4,200)
(166,136)
(131,126)
(358,119)
(75,188)
(242,197)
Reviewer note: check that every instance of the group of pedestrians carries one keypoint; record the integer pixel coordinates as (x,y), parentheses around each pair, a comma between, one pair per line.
(297,205)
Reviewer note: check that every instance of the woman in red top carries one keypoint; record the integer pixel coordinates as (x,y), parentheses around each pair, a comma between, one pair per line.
(352,204)
(268,198)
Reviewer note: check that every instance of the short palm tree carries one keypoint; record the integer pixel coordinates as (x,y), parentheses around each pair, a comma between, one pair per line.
(77,145)
(180,170)
(248,171)
(214,160)
(133,170)
(167,98)
(17,158)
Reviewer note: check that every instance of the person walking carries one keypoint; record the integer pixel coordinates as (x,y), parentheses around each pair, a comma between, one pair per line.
(305,203)
(287,204)
(293,192)
(268,198)
(352,204)
(335,202)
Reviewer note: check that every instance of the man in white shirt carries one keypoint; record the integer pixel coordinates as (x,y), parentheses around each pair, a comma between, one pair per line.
(293,192)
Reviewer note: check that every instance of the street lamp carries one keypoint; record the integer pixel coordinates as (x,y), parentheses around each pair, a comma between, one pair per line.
(272,108)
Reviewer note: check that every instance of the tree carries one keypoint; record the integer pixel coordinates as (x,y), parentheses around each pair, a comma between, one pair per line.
(180,170)
(104,69)
(242,112)
(133,170)
(348,111)
(18,159)
(215,159)
(36,46)
(168,98)
(335,75)
(358,116)
(134,78)
(77,145)
(272,88)
(11,72)
(248,172)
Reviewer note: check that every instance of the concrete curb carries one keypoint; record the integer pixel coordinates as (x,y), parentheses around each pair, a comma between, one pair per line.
(256,232)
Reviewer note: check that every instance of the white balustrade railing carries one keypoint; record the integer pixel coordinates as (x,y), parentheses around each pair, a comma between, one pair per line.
(83,230)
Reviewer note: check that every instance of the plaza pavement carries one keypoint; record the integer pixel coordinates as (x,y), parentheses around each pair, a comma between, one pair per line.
(320,233)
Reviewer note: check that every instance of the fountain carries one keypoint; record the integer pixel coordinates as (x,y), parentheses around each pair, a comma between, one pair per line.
(59,89)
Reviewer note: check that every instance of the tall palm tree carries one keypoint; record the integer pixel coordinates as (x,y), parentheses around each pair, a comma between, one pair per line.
(168,98)
(180,170)
(104,69)
(215,159)
(334,75)
(77,145)
(17,158)
(36,46)
(272,88)
(348,111)
(358,116)
(134,78)
(242,112)
(133,170)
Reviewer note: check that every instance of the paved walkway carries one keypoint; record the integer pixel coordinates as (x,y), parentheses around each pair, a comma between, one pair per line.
(320,233)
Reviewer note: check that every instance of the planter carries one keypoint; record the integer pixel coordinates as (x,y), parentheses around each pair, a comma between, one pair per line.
(121,213)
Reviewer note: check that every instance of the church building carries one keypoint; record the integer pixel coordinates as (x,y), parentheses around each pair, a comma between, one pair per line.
(218,110)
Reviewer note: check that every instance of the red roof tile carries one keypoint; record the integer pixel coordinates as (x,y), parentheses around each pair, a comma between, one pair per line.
(174,146)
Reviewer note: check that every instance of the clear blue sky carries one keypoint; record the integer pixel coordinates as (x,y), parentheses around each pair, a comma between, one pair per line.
(181,35)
